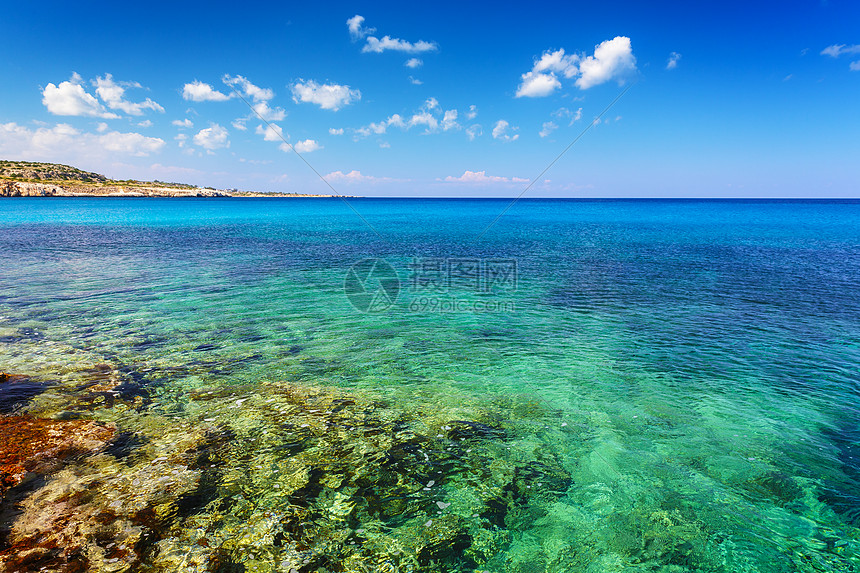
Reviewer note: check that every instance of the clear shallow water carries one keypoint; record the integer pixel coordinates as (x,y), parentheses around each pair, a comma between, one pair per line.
(671,386)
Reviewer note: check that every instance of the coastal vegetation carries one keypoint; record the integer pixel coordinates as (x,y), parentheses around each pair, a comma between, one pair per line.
(33,179)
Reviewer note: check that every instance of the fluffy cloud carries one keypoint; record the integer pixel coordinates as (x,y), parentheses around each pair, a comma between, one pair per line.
(431,116)
(357,31)
(198,91)
(145,123)
(472,113)
(327,96)
(113,94)
(481,178)
(388,43)
(263,110)
(131,143)
(547,128)
(259,98)
(64,143)
(672,62)
(500,131)
(537,85)
(612,59)
(353,176)
(243,85)
(414,63)
(272,132)
(335,131)
(182,122)
(415,81)
(212,138)
(239,124)
(837,50)
(449,120)
(70,98)
(306,146)
(474,131)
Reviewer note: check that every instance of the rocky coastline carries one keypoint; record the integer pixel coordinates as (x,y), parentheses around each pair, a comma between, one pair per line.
(29,189)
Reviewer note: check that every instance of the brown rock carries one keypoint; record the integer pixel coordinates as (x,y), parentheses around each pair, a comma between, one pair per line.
(39,445)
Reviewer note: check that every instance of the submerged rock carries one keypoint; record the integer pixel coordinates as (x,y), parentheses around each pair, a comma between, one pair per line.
(37,445)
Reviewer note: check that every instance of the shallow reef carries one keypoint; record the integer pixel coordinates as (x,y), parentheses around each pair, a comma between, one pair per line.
(275,478)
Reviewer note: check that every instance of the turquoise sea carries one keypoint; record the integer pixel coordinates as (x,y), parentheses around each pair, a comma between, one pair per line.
(589,385)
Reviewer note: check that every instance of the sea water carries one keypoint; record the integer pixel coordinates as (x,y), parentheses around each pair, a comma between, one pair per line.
(581,385)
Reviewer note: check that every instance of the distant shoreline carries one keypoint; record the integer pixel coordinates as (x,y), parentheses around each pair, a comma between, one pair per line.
(10,189)
(33,179)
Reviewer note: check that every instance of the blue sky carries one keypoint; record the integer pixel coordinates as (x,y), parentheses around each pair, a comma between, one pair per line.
(726,99)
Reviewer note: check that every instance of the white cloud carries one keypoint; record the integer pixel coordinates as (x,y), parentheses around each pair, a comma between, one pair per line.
(541,81)
(212,138)
(181,138)
(378,128)
(558,62)
(426,119)
(250,90)
(612,59)
(449,120)
(263,110)
(70,98)
(113,94)
(563,112)
(537,85)
(431,116)
(131,143)
(414,63)
(481,178)
(500,131)
(356,30)
(473,112)
(384,145)
(415,81)
(335,131)
(65,144)
(102,127)
(306,146)
(354,176)
(547,128)
(854,66)
(672,62)
(239,124)
(474,131)
(198,91)
(272,132)
(837,50)
(327,96)
(182,122)
(145,123)
(378,46)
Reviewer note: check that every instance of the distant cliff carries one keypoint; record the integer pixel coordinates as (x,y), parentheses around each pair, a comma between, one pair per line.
(30,179)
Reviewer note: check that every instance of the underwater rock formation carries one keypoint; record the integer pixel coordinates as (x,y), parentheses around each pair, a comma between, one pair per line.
(290,479)
(35,445)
